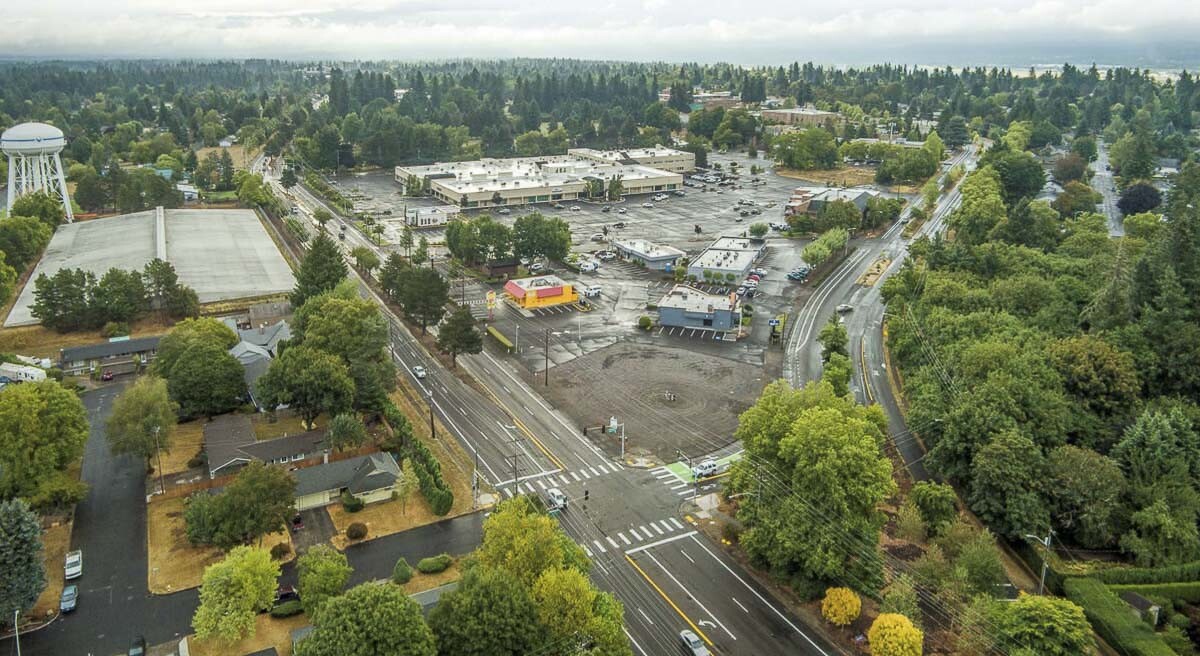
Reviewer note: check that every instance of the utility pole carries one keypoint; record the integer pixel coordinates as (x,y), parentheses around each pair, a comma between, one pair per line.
(695,479)
(511,461)
(517,341)
(1045,542)
(547,357)
(162,486)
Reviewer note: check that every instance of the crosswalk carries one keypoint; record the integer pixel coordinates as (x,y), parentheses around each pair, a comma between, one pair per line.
(675,478)
(561,478)
(633,535)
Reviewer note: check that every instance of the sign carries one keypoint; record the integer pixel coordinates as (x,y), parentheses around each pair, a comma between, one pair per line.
(491,299)
(773,322)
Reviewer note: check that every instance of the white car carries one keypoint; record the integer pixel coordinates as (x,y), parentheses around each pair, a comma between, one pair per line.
(621,210)
(575,208)
(844,308)
(555,499)
(504,210)
(73,568)
(536,266)
(705,468)
(419,372)
(692,645)
(589,267)
(647,204)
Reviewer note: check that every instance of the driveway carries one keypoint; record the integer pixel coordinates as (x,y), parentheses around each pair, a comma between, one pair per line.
(318,529)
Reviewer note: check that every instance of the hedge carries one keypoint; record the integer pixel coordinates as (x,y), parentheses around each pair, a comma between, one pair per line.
(1114,620)
(1129,575)
(402,573)
(287,609)
(1188,591)
(434,564)
(429,472)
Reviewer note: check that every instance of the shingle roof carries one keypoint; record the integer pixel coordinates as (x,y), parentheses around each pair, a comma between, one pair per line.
(268,337)
(360,474)
(109,349)
(230,438)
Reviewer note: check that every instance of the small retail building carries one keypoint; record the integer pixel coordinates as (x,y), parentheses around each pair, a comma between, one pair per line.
(370,478)
(540,291)
(687,307)
(728,259)
(654,257)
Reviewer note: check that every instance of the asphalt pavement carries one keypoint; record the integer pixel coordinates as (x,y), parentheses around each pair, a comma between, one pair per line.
(1103,182)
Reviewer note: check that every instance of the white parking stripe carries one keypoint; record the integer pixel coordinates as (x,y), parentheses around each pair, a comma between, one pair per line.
(584,473)
(598,545)
(623,538)
(564,478)
(678,485)
(677,523)
(575,476)
(664,475)
(667,526)
(594,472)
(659,469)
(646,531)
(685,492)
(612,542)
(656,528)
(508,491)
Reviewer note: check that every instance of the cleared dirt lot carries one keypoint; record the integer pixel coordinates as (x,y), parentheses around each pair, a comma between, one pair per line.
(632,381)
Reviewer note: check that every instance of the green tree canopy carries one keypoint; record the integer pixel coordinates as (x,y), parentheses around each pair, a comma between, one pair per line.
(22,574)
(142,419)
(323,573)
(369,620)
(320,271)
(308,379)
(459,335)
(232,593)
(43,428)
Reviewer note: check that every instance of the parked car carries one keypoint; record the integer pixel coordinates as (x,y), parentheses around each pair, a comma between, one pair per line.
(575,208)
(647,204)
(137,647)
(692,645)
(606,209)
(555,499)
(679,192)
(740,290)
(621,210)
(504,210)
(619,225)
(558,206)
(589,267)
(759,271)
(591,291)
(68,599)
(595,237)
(73,567)
(705,468)
(536,266)
(106,376)
(419,372)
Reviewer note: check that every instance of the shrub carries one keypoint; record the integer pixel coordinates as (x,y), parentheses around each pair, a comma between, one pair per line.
(434,564)
(909,525)
(1188,591)
(1170,574)
(351,503)
(731,533)
(937,503)
(196,461)
(402,573)
(280,551)
(1112,619)
(645,322)
(840,606)
(287,609)
(356,531)
(894,635)
(114,329)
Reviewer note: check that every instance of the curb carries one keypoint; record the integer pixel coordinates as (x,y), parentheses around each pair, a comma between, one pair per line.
(52,620)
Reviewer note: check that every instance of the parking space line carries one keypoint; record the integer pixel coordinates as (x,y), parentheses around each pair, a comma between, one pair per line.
(575,476)
(598,545)
(678,485)
(656,528)
(594,472)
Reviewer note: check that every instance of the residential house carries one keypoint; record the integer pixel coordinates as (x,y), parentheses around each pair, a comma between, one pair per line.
(371,478)
(258,346)
(230,444)
(118,355)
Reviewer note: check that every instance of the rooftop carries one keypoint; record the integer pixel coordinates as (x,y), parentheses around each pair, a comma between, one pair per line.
(628,153)
(230,438)
(690,299)
(734,244)
(649,250)
(807,111)
(731,260)
(360,474)
(109,349)
(491,174)
(537,282)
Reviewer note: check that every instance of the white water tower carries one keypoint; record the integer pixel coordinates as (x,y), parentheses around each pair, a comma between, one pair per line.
(34,164)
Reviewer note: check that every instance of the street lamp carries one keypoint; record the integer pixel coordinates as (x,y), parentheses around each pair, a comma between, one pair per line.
(1045,542)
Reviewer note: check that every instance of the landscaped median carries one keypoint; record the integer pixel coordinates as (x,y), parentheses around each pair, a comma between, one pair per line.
(173,563)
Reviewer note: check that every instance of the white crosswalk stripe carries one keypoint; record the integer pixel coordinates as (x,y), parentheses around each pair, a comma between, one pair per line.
(656,528)
(637,536)
(664,475)
(508,491)
(612,542)
(564,478)
(594,472)
(667,528)
(587,551)
(623,538)
(584,473)
(677,523)
(659,470)
(646,531)
(678,485)
(575,476)
(541,485)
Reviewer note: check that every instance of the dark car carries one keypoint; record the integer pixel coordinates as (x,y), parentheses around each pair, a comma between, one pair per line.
(106,376)
(137,647)
(286,593)
(297,523)
(69,598)
(606,208)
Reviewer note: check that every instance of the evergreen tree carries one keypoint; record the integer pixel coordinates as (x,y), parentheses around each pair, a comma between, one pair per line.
(320,271)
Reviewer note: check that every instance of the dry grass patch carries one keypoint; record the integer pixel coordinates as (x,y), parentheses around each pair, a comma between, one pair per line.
(422,582)
(269,632)
(186,440)
(286,423)
(42,342)
(871,276)
(56,540)
(238,152)
(843,176)
(173,563)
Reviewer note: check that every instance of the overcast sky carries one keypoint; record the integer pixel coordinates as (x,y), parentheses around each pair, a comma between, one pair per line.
(1012,32)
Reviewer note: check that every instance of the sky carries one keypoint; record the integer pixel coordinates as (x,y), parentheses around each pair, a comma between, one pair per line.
(1155,33)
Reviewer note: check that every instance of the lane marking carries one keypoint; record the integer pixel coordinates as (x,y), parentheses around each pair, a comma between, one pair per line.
(744,610)
(635,534)
(685,555)
(689,594)
(634,642)
(612,542)
(671,603)
(677,523)
(656,528)
(646,616)
(659,543)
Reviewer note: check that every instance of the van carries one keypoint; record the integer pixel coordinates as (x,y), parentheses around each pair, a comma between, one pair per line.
(555,500)
(591,291)
(589,267)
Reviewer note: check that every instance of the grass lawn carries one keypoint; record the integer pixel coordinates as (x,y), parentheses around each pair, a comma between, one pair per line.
(843,176)
(236,151)
(173,563)
(186,440)
(286,423)
(270,632)
(55,542)
(422,582)
(43,342)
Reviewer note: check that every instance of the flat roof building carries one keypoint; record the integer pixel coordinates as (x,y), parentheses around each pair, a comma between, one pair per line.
(687,307)
(430,217)
(650,255)
(527,180)
(659,157)
(540,291)
(800,116)
(727,259)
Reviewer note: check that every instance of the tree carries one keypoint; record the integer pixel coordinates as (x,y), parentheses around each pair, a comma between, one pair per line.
(352,328)
(840,606)
(142,419)
(1145,226)
(1086,493)
(1070,168)
(60,301)
(459,335)
(369,620)
(1076,199)
(164,292)
(424,296)
(92,192)
(346,431)
(421,255)
(1021,176)
(206,380)
(288,178)
(22,239)
(491,613)
(833,338)
(406,484)
(322,574)
(322,216)
(40,205)
(894,635)
(934,146)
(1005,481)
(1042,625)
(22,574)
(320,271)
(259,501)
(1085,147)
(937,502)
(43,428)
(365,259)
(186,333)
(813,148)
(309,380)
(954,132)
(534,236)
(1139,197)
(119,296)
(232,593)
(758,230)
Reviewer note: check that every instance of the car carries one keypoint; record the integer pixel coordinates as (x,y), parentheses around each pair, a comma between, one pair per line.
(297,522)
(647,204)
(719,191)
(559,206)
(606,209)
(844,308)
(796,276)
(575,208)
(295,210)
(589,267)
(740,291)
(555,500)
(756,211)
(744,213)
(419,372)
(504,210)
(692,644)
(536,266)
(137,647)
(621,210)
(705,468)
(759,271)
(679,192)
(750,292)
(619,225)
(73,566)
(68,599)
(592,291)
(596,236)
(106,376)
(750,283)
(286,593)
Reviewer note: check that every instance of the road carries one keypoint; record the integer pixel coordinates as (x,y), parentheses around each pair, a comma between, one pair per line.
(1103,182)
(625,518)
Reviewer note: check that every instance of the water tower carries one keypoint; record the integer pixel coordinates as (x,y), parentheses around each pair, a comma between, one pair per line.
(33,162)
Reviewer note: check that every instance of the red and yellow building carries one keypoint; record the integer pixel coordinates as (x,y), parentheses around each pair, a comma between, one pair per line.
(540,291)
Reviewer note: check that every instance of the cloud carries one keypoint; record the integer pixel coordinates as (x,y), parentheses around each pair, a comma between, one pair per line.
(769,31)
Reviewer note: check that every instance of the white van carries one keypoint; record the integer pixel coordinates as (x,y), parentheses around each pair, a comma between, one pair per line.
(591,291)
(589,267)
(555,500)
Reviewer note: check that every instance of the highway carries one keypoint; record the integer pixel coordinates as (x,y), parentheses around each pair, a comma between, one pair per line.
(644,549)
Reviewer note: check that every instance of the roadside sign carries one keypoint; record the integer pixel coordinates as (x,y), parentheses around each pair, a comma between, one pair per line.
(773,322)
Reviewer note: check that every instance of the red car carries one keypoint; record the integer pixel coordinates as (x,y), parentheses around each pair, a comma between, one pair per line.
(106,376)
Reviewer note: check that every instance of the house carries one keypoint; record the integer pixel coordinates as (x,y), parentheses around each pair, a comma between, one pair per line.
(230,444)
(1142,607)
(118,355)
(258,346)
(540,291)
(1166,166)
(21,373)
(687,307)
(654,257)
(497,268)
(265,336)
(371,478)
